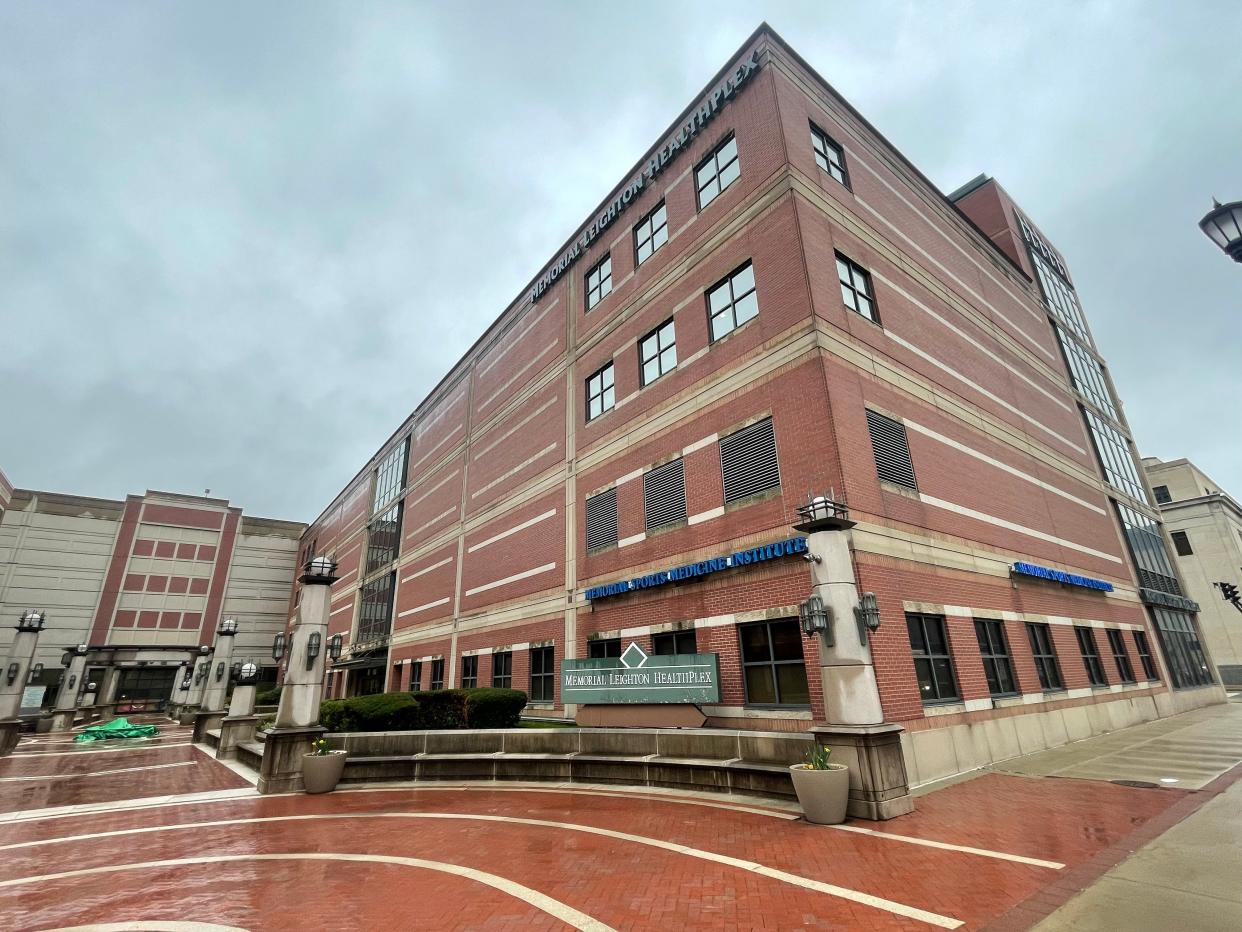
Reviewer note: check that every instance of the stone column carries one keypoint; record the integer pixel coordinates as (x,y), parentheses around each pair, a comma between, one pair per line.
(211,712)
(854,726)
(66,709)
(13,678)
(177,694)
(239,725)
(107,693)
(297,719)
(198,684)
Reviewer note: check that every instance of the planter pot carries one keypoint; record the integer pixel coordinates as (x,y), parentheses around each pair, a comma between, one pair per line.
(322,772)
(823,794)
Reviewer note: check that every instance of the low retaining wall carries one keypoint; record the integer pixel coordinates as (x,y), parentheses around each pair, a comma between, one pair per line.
(725,761)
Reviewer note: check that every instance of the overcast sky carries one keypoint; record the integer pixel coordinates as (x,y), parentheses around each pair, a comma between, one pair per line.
(240,241)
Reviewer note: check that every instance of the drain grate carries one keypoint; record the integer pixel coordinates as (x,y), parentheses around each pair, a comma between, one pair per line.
(1137,784)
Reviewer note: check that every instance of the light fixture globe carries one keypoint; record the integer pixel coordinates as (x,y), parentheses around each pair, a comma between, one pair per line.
(1223,226)
(319,570)
(81,650)
(248,673)
(228,627)
(31,621)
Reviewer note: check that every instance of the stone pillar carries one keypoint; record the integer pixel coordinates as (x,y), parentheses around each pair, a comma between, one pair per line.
(854,726)
(13,678)
(107,693)
(177,694)
(297,719)
(239,725)
(66,709)
(198,684)
(211,712)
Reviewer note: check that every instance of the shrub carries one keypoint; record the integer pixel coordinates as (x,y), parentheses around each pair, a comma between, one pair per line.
(441,709)
(494,708)
(268,697)
(383,712)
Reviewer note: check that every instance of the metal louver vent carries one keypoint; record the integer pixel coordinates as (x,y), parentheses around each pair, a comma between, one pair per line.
(892,451)
(601,520)
(748,461)
(664,495)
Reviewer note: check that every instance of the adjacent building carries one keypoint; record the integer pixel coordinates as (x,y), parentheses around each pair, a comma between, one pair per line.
(1205,525)
(775,304)
(142,582)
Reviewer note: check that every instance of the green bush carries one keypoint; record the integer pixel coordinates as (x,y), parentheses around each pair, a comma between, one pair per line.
(383,712)
(494,708)
(441,709)
(268,697)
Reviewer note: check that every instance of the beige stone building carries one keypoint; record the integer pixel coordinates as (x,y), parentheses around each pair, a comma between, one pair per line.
(1205,524)
(143,582)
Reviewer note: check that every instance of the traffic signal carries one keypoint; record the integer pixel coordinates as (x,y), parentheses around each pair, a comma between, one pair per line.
(1228,591)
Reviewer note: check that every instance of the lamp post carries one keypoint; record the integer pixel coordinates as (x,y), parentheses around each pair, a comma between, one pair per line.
(239,726)
(67,699)
(16,672)
(216,683)
(1223,226)
(198,684)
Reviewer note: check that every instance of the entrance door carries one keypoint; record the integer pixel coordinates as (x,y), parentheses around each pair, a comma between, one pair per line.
(144,689)
(366,681)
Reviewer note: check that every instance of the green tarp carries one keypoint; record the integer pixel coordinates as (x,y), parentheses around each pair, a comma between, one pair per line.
(117,728)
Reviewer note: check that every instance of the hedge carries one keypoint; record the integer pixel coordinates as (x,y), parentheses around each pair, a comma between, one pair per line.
(268,697)
(442,709)
(494,708)
(436,710)
(384,712)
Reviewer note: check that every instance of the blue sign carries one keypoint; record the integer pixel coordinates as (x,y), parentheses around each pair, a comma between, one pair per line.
(781,548)
(1070,579)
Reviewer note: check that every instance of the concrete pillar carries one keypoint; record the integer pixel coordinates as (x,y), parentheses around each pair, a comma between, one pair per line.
(217,683)
(13,678)
(239,725)
(198,685)
(177,692)
(66,709)
(107,693)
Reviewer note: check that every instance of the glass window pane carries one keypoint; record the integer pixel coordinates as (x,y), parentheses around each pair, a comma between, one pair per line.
(721,325)
(730,174)
(744,281)
(659,238)
(759,685)
(786,640)
(667,334)
(915,629)
(718,300)
(747,308)
(922,669)
(791,683)
(651,370)
(706,173)
(935,637)
(755,643)
(668,359)
(944,678)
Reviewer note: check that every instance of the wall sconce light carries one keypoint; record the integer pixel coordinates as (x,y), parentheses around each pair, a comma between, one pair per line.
(334,647)
(247,673)
(867,614)
(219,671)
(14,669)
(313,643)
(31,621)
(73,680)
(814,617)
(35,672)
(235,669)
(186,681)
(278,646)
(228,627)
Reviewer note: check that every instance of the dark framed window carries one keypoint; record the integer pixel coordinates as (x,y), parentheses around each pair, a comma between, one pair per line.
(856,290)
(416,676)
(1116,641)
(997,666)
(1115,456)
(542,674)
(748,461)
(1188,664)
(1162,494)
(650,234)
(502,669)
(929,643)
(601,521)
(1045,654)
(1145,658)
(600,394)
(829,155)
(375,609)
(1087,373)
(1060,297)
(891,447)
(732,302)
(1090,656)
(470,671)
(599,281)
(657,352)
(717,172)
(1181,543)
(384,539)
(664,495)
(389,476)
(600,648)
(675,642)
(773,667)
(437,673)
(1155,568)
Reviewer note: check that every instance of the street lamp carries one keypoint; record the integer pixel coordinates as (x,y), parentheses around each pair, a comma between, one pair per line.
(313,643)
(278,646)
(867,614)
(228,626)
(1223,226)
(814,618)
(334,647)
(319,570)
(247,674)
(31,621)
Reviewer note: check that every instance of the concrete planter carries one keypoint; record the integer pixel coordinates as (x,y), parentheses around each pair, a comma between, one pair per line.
(823,794)
(322,772)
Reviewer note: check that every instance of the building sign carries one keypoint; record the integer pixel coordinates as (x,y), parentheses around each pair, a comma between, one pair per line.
(32,698)
(637,677)
(1168,600)
(1070,579)
(711,105)
(781,548)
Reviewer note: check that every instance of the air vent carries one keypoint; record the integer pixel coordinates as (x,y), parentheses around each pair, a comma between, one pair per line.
(664,495)
(748,461)
(892,450)
(601,522)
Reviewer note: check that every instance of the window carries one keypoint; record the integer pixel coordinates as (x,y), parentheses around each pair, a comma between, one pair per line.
(748,461)
(375,610)
(502,669)
(390,476)
(772,664)
(829,155)
(732,302)
(892,450)
(542,674)
(601,648)
(1090,656)
(651,233)
(437,673)
(1120,657)
(601,521)
(1188,665)
(1087,373)
(675,642)
(1045,656)
(717,172)
(600,396)
(929,643)
(1145,657)
(996,664)
(384,539)
(599,282)
(1060,298)
(1115,456)
(1181,543)
(1162,495)
(470,671)
(856,290)
(657,352)
(664,495)
(1155,569)
(416,676)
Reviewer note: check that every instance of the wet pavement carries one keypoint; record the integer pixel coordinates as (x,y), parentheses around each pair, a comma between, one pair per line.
(159,832)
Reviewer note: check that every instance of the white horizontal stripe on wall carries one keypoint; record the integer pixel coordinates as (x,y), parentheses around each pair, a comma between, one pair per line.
(516,469)
(983,457)
(636,539)
(517,375)
(441,442)
(423,607)
(511,342)
(513,530)
(1009,525)
(475,453)
(706,515)
(427,569)
(427,524)
(525,574)
(414,501)
(343,608)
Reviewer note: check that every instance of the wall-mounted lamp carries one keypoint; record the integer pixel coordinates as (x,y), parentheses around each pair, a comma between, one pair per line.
(14,669)
(73,680)
(186,681)
(219,671)
(867,614)
(31,621)
(313,644)
(814,617)
(334,647)
(278,646)
(247,673)
(228,627)
(35,672)
(320,570)
(235,669)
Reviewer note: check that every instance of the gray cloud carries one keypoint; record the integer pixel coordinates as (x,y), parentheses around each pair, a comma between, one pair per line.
(239,242)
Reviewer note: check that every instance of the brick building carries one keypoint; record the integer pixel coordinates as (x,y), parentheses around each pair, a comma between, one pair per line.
(774,304)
